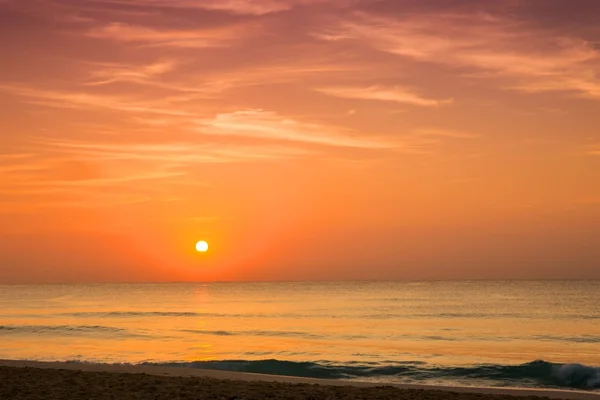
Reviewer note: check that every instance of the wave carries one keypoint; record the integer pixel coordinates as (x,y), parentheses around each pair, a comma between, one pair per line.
(174,314)
(314,336)
(536,374)
(84,330)
(99,329)
(293,315)
(573,339)
(126,314)
(305,335)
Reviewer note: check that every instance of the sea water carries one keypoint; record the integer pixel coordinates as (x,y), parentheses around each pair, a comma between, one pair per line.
(478,333)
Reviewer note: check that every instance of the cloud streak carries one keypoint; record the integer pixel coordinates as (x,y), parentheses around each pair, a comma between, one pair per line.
(145,74)
(394,94)
(101,174)
(533,59)
(85,100)
(263,124)
(153,37)
(173,154)
(242,7)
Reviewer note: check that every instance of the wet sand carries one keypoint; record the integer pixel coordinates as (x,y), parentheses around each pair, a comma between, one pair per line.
(27,380)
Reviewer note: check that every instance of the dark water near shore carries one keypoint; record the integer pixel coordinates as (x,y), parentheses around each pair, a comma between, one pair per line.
(485,333)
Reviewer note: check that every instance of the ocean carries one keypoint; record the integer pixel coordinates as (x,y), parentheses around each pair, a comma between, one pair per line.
(471,333)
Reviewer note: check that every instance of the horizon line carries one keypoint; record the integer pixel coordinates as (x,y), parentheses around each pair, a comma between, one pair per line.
(307,281)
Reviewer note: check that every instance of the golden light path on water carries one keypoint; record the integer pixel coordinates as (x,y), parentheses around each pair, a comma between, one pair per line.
(443,323)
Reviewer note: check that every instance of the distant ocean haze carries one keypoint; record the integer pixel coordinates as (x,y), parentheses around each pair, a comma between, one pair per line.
(492,333)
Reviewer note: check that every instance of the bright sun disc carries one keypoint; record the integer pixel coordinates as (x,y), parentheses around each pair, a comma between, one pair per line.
(201,246)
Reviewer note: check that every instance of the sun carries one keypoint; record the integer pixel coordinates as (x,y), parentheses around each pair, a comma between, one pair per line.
(202,246)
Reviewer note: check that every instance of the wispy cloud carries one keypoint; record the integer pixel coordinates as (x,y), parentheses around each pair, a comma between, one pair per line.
(274,74)
(63,99)
(79,173)
(595,151)
(157,75)
(392,94)
(444,133)
(263,124)
(173,154)
(14,156)
(532,58)
(248,7)
(111,73)
(11,163)
(154,37)
(430,140)
(259,7)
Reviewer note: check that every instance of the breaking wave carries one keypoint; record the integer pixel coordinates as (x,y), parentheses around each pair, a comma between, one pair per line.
(535,374)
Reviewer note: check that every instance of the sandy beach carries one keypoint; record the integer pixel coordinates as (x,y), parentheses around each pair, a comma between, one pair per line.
(24,380)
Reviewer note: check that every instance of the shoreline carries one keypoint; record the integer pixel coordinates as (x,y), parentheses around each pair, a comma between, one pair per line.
(240,377)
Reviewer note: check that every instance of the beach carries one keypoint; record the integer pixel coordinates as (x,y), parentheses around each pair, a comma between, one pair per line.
(28,380)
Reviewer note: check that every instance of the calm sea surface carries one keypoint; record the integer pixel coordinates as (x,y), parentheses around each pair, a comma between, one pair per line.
(492,333)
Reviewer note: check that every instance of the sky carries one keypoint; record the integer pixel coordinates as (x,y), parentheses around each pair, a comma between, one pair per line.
(302,139)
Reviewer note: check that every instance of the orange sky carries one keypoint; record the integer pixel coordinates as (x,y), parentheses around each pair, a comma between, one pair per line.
(303,139)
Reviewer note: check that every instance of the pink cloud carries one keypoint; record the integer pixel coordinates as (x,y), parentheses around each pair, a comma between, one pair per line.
(532,59)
